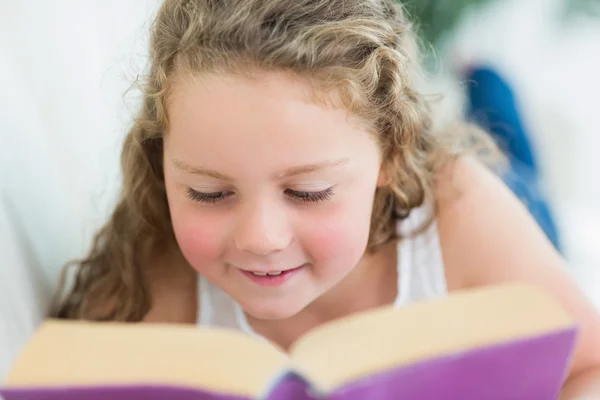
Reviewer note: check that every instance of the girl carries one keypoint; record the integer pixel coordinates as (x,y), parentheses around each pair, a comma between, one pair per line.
(284,171)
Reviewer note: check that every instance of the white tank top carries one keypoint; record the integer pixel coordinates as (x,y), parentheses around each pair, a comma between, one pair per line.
(420,276)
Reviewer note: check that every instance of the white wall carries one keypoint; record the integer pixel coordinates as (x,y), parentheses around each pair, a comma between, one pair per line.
(65,67)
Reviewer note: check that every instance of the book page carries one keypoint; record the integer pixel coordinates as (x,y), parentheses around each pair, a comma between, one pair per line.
(81,353)
(342,351)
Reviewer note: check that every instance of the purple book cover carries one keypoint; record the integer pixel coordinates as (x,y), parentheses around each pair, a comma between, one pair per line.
(528,369)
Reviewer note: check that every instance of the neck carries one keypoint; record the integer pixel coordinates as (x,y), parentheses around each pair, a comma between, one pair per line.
(372,283)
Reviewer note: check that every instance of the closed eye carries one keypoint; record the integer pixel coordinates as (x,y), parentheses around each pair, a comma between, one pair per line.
(207,198)
(310,197)
(296,195)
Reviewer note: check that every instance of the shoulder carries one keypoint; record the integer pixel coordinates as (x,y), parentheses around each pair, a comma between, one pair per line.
(488,236)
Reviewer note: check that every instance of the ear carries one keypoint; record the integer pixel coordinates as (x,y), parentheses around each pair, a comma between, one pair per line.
(382,178)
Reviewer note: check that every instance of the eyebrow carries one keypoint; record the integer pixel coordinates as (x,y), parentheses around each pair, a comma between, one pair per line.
(287,173)
(199,170)
(308,168)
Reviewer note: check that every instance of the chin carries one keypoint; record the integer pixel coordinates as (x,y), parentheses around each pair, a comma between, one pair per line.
(266,310)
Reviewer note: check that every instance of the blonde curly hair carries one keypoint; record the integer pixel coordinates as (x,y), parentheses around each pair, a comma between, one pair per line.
(365,50)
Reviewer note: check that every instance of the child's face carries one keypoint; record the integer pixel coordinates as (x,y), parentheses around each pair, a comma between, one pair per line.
(262,179)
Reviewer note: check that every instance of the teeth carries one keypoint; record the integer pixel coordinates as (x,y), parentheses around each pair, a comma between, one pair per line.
(274,273)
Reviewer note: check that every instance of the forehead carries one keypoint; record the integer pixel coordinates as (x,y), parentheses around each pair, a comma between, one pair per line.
(271,117)
(285,97)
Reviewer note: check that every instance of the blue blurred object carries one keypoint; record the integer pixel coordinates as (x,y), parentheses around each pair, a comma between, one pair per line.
(492,105)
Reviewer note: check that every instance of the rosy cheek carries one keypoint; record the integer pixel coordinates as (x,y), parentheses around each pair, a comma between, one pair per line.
(199,240)
(339,238)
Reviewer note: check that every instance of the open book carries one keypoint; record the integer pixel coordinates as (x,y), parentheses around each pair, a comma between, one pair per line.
(507,341)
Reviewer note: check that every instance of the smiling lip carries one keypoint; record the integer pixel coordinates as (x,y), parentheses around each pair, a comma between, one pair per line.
(271,278)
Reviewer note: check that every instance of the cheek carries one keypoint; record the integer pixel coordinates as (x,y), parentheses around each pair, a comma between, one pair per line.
(197,232)
(339,239)
(199,238)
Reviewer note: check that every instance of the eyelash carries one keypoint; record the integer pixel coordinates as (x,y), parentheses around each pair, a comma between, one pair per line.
(207,198)
(310,197)
(303,197)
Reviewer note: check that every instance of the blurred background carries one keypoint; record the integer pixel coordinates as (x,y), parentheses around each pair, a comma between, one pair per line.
(529,69)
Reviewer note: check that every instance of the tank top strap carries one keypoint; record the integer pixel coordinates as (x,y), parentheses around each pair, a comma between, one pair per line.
(421,272)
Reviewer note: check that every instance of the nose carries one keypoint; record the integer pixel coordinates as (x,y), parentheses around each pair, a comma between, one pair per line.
(262,229)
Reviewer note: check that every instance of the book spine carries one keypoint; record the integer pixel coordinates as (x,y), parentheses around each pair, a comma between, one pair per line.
(290,385)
